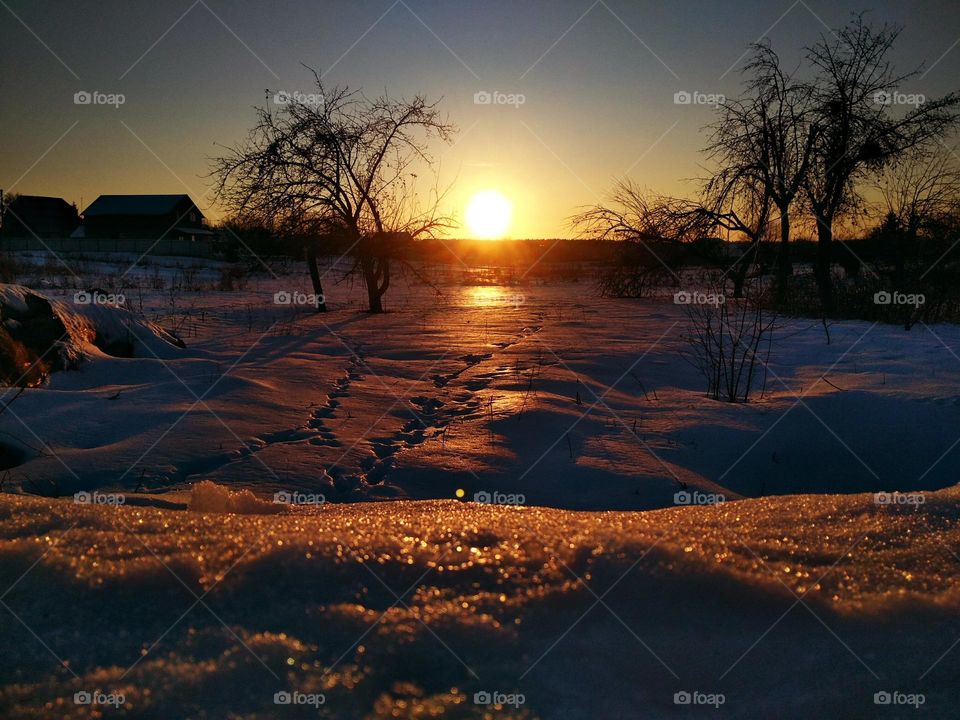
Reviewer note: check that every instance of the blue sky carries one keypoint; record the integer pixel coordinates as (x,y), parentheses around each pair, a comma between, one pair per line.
(598,81)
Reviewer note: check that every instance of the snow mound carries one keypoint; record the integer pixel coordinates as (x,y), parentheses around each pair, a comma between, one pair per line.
(791,607)
(208,497)
(62,334)
(117,331)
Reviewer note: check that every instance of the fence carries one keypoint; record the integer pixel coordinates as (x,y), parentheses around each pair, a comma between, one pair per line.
(167,246)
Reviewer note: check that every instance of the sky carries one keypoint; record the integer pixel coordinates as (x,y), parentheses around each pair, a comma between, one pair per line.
(587,88)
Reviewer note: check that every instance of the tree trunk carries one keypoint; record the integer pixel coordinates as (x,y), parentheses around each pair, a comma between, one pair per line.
(376,276)
(742,267)
(739,278)
(821,269)
(905,241)
(784,266)
(315,278)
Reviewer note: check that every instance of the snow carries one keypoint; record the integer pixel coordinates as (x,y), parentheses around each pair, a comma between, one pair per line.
(208,497)
(489,600)
(91,324)
(235,539)
(481,389)
(14,297)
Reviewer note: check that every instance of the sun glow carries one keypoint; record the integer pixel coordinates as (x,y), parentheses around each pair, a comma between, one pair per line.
(488,215)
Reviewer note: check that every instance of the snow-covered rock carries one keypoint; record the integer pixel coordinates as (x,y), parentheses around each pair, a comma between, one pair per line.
(55,335)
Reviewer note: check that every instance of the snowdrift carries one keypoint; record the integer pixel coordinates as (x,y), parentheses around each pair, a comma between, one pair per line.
(52,335)
(791,607)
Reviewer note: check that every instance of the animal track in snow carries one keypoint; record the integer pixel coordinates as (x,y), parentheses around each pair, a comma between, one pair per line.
(432,415)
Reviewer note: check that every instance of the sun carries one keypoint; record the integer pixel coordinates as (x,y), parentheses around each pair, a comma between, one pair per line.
(488,215)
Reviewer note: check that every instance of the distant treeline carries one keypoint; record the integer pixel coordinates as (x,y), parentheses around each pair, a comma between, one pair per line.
(236,241)
(516,253)
(523,253)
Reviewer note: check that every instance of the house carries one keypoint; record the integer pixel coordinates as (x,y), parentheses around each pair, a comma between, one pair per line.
(33,216)
(153,217)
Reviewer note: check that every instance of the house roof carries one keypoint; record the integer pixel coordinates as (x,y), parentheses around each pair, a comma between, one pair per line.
(39,216)
(136,205)
(38,203)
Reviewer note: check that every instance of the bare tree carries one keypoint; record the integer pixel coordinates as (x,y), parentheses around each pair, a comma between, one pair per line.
(724,342)
(737,200)
(920,202)
(768,136)
(343,166)
(761,146)
(859,134)
(921,186)
(654,228)
(633,214)
(650,228)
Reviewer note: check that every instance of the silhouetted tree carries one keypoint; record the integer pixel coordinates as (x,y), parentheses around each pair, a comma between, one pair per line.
(766,138)
(737,200)
(345,166)
(917,191)
(859,134)
(6,199)
(649,228)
